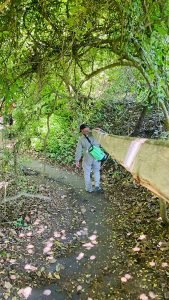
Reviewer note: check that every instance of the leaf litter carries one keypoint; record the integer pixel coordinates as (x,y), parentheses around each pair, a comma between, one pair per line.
(137,270)
(27,251)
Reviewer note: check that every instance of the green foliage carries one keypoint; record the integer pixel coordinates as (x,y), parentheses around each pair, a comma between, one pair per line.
(59,56)
(20,222)
(61,141)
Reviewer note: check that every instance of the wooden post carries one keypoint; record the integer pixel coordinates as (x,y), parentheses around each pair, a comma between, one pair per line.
(163,212)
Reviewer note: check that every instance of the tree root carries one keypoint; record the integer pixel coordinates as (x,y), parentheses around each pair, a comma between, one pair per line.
(27,195)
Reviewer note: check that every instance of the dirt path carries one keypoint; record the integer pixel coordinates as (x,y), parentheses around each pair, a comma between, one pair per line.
(85,240)
(128,258)
(70,246)
(85,266)
(79,245)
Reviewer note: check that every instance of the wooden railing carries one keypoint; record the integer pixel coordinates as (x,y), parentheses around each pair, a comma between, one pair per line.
(147,160)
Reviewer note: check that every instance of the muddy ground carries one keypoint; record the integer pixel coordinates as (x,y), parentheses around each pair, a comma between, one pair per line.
(57,242)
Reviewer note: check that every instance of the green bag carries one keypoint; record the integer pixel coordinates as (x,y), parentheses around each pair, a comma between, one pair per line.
(96,151)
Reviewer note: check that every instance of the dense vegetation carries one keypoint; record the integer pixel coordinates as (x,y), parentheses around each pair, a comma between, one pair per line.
(64,62)
(61,61)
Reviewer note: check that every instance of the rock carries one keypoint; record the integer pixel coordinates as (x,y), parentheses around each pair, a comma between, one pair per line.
(28,171)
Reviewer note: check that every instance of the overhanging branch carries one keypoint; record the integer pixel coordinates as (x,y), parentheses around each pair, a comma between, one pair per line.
(120,63)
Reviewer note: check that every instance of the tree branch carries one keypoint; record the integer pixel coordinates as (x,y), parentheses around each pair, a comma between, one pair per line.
(113,65)
(3,6)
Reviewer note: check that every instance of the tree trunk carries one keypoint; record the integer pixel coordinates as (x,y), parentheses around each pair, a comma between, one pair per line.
(166,115)
(163,212)
(15,156)
(140,122)
(45,143)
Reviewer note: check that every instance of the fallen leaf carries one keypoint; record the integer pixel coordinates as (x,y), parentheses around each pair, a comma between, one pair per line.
(152,263)
(30,246)
(29,267)
(93,237)
(92,257)
(123,279)
(13,277)
(7,285)
(52,260)
(47,292)
(56,275)
(128,276)
(80,256)
(79,288)
(59,267)
(143,297)
(164,264)
(29,234)
(152,295)
(26,292)
(136,249)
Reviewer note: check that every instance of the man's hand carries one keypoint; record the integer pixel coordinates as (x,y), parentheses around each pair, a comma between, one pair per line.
(98,129)
(78,164)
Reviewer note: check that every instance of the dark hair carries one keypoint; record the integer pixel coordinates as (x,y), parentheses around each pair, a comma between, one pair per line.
(83,126)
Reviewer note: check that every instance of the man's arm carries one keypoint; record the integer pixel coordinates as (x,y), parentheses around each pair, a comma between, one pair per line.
(78,153)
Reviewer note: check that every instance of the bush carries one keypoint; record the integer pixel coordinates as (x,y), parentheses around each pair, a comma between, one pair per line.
(61,141)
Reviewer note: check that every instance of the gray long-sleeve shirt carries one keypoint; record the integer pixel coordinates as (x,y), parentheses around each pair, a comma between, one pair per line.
(82,148)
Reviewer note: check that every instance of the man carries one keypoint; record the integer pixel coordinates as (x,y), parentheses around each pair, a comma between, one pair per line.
(89,163)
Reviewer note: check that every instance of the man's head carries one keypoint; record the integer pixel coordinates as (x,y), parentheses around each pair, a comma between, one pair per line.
(84,129)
